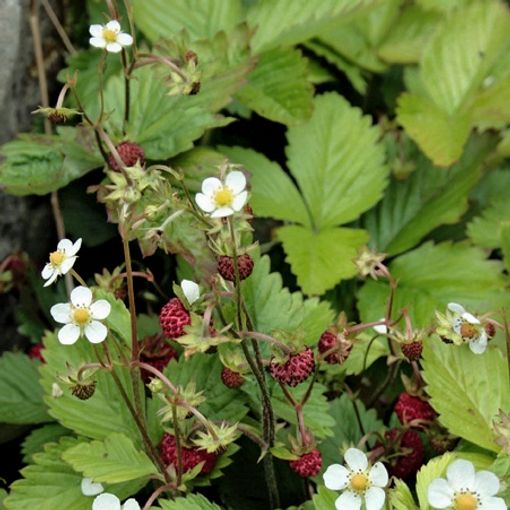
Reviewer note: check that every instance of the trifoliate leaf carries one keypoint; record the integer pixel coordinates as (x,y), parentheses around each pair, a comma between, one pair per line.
(429,197)
(431,276)
(21,395)
(36,440)
(435,468)
(278,88)
(115,459)
(320,260)
(465,409)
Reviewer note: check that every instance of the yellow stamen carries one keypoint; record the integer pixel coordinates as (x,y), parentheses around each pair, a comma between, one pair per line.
(466,502)
(224,197)
(468,330)
(109,35)
(56,258)
(359,482)
(81,316)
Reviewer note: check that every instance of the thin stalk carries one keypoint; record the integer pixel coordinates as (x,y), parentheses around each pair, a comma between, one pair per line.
(266,338)
(178,447)
(58,27)
(80,280)
(155,495)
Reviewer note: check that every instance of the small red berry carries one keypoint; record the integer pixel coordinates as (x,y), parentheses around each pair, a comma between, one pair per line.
(130,153)
(173,317)
(190,456)
(406,465)
(309,464)
(35,352)
(410,408)
(490,329)
(412,350)
(342,346)
(157,352)
(226,267)
(231,379)
(295,370)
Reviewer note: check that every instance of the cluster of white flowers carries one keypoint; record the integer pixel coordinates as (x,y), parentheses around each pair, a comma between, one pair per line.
(105,500)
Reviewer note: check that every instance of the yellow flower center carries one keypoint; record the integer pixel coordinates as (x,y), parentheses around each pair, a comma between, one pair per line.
(466,501)
(468,330)
(81,316)
(56,258)
(109,35)
(359,482)
(224,197)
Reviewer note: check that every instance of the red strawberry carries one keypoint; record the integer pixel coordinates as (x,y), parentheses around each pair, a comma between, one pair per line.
(231,379)
(412,350)
(130,153)
(190,456)
(157,352)
(342,346)
(295,370)
(173,317)
(409,408)
(35,352)
(406,465)
(226,267)
(309,464)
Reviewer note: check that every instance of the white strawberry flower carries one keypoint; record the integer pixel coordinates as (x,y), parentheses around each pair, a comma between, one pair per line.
(61,260)
(465,489)
(109,37)
(107,501)
(358,482)
(81,317)
(468,327)
(221,199)
(90,488)
(191,290)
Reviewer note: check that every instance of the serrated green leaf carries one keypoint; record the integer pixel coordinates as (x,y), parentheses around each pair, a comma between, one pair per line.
(465,409)
(325,499)
(36,440)
(190,502)
(435,468)
(337,161)
(201,18)
(401,497)
(320,260)
(113,460)
(429,197)
(431,276)
(486,230)
(278,88)
(273,194)
(346,430)
(21,395)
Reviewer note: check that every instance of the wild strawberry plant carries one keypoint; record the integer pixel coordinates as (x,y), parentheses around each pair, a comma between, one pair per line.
(303,300)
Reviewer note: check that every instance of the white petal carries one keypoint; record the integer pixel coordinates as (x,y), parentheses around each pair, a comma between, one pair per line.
(113,25)
(75,248)
(100,309)
(106,501)
(486,483)
(97,42)
(222,212)
(210,185)
(336,477)
(67,264)
(374,498)
(95,332)
(191,290)
(470,318)
(356,459)
(61,313)
(461,475)
(479,345)
(96,30)
(348,501)
(131,504)
(492,504)
(239,201)
(65,245)
(456,308)
(204,202)
(378,475)
(81,296)
(124,39)
(439,493)
(47,271)
(382,329)
(52,278)
(114,47)
(90,488)
(69,334)
(236,181)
